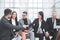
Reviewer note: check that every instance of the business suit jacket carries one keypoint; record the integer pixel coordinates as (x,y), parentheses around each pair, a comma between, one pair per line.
(10,21)
(21,22)
(13,32)
(35,25)
(5,29)
(49,27)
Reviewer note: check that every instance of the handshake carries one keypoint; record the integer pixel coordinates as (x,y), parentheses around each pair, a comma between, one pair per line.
(25,26)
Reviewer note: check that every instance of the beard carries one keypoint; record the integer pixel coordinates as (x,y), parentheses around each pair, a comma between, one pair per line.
(9,18)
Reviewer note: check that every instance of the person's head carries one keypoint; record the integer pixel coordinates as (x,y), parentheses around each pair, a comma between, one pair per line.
(14,15)
(54,15)
(7,12)
(40,15)
(24,15)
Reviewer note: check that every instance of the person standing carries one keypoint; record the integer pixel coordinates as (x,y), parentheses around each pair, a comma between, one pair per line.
(6,27)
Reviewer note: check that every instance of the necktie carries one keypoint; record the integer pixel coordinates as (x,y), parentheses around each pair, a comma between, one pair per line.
(53,21)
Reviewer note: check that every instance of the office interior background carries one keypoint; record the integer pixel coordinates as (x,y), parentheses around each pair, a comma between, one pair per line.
(32,7)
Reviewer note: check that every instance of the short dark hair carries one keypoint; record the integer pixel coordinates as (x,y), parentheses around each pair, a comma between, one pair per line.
(25,12)
(7,11)
(41,13)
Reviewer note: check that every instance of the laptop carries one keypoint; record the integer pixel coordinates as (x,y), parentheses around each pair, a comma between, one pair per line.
(57,24)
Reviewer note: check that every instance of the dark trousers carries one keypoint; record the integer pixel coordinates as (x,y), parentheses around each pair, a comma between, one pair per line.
(5,38)
(53,36)
(40,36)
(47,38)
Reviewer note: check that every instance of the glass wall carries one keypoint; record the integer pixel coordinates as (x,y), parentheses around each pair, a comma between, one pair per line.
(31,6)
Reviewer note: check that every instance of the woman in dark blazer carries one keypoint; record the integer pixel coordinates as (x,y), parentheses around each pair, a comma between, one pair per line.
(14,17)
(39,25)
(13,21)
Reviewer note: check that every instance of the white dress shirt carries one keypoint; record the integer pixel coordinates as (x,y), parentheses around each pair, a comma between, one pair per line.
(39,28)
(39,24)
(54,25)
(13,22)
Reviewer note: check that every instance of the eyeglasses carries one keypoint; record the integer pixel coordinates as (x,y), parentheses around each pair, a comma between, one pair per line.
(23,15)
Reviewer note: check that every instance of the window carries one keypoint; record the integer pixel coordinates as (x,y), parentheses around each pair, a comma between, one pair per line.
(31,6)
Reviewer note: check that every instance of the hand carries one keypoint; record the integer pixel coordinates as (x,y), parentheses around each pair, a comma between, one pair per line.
(46,34)
(27,25)
(20,32)
(26,30)
(24,26)
(16,32)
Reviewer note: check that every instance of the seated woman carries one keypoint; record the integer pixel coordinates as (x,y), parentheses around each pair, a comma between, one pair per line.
(14,21)
(38,25)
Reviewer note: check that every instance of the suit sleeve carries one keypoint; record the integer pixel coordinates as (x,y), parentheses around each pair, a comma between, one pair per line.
(30,27)
(8,25)
(20,25)
(32,24)
(47,25)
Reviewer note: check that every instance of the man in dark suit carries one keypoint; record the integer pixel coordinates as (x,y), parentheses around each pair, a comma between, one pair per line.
(50,30)
(6,27)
